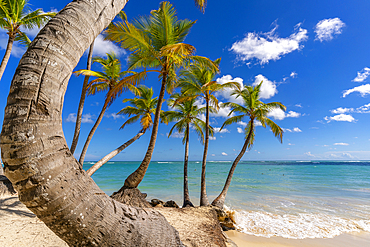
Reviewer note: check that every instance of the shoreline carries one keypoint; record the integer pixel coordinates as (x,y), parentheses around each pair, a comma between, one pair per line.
(20,227)
(354,239)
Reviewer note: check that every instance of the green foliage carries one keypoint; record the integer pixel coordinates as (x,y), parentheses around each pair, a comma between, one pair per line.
(254,109)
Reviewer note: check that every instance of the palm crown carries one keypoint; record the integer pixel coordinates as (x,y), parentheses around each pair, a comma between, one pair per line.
(141,108)
(15,14)
(254,109)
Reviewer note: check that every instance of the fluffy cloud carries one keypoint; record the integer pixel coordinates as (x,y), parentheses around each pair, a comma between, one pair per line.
(268,88)
(340,118)
(268,46)
(296,130)
(240,130)
(363,90)
(224,154)
(341,144)
(327,28)
(362,75)
(102,47)
(293,74)
(279,114)
(341,110)
(309,154)
(212,138)
(176,135)
(218,130)
(226,93)
(115,116)
(86,118)
(361,109)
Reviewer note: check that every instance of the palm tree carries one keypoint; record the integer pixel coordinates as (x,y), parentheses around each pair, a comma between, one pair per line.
(76,135)
(141,108)
(186,113)
(14,15)
(255,110)
(155,42)
(32,133)
(198,81)
(106,80)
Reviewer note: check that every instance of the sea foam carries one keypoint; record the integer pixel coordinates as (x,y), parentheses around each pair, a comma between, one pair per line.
(298,226)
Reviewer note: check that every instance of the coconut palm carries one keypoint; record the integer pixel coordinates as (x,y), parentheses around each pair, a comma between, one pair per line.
(142,109)
(14,15)
(186,114)
(198,81)
(38,142)
(155,42)
(106,81)
(255,110)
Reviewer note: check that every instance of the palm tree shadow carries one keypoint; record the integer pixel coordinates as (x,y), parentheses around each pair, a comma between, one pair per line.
(12,206)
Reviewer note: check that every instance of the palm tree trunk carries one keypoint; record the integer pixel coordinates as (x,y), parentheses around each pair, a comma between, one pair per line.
(91,134)
(35,153)
(134,179)
(109,156)
(82,102)
(203,192)
(6,57)
(187,201)
(220,200)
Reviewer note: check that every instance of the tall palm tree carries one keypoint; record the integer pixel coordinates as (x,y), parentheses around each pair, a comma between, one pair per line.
(32,133)
(105,81)
(198,81)
(155,42)
(14,15)
(141,108)
(185,114)
(255,110)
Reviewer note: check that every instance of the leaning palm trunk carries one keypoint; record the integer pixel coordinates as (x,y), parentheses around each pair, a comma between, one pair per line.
(37,160)
(6,57)
(203,192)
(134,179)
(109,156)
(91,134)
(187,201)
(220,200)
(76,135)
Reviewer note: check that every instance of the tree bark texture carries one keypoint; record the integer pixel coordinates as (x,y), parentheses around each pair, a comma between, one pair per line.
(76,134)
(91,134)
(134,179)
(109,156)
(6,57)
(187,201)
(203,192)
(36,157)
(220,200)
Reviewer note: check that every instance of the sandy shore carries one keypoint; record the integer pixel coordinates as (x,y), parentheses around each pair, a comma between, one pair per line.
(20,227)
(345,240)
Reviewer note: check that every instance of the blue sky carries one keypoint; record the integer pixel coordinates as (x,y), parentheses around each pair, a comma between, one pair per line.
(313,56)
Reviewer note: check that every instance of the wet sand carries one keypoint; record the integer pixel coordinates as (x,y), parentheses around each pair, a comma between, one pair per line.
(356,239)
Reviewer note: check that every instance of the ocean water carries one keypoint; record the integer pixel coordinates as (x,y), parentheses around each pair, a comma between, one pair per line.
(291,199)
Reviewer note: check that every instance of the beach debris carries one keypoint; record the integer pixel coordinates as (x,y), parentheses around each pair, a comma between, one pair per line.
(226,219)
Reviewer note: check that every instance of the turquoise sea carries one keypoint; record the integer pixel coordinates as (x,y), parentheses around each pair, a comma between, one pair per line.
(292,199)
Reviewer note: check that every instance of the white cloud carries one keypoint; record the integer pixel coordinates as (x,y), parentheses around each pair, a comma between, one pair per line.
(296,129)
(268,88)
(226,93)
(341,144)
(293,74)
(309,154)
(340,110)
(212,138)
(86,118)
(17,51)
(327,28)
(242,123)
(218,130)
(115,116)
(280,114)
(341,118)
(268,46)
(362,75)
(298,105)
(176,135)
(363,109)
(363,90)
(102,47)
(240,130)
(224,154)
